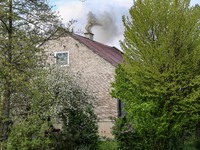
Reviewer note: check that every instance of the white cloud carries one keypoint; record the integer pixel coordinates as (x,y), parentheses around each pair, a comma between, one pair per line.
(123,3)
(70,10)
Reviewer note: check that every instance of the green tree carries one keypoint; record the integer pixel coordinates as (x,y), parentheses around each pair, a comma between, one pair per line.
(29,135)
(73,108)
(25,25)
(30,117)
(159,79)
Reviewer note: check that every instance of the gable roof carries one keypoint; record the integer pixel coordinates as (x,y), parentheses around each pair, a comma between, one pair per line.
(110,54)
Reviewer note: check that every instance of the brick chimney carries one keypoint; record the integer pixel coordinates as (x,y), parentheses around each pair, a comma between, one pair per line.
(89,35)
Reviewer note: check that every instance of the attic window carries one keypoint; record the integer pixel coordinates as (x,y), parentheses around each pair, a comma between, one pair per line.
(62,58)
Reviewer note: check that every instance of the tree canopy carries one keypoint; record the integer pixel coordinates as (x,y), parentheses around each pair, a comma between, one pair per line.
(28,98)
(159,79)
(24,26)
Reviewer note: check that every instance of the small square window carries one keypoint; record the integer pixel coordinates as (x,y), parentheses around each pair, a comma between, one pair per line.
(62,58)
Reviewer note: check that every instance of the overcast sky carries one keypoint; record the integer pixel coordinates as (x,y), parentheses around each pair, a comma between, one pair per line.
(108,12)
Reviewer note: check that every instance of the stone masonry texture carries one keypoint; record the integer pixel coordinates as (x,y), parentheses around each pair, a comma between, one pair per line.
(97,73)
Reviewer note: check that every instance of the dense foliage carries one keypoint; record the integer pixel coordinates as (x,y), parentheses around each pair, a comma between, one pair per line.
(61,116)
(126,136)
(31,96)
(158,81)
(73,106)
(24,26)
(29,135)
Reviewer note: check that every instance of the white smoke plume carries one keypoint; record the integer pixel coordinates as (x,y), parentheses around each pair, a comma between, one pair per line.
(105,27)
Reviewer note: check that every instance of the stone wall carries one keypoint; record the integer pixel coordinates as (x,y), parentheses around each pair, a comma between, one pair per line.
(97,73)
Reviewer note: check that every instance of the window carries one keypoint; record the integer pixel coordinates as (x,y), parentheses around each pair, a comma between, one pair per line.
(62,58)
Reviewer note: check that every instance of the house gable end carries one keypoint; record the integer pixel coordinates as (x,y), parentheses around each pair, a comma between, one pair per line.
(110,54)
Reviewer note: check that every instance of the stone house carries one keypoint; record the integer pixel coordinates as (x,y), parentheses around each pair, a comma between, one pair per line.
(96,62)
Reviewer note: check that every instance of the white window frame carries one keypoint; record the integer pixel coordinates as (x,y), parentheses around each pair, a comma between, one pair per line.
(56,58)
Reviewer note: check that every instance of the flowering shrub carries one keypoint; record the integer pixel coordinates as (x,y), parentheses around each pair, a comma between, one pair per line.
(73,105)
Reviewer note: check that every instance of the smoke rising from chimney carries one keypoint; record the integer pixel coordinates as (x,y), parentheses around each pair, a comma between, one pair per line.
(91,21)
(105,26)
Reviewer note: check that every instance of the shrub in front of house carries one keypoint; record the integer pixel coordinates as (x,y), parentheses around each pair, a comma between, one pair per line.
(28,134)
(79,130)
(73,106)
(125,135)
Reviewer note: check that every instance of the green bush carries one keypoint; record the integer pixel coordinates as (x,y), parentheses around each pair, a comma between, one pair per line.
(29,135)
(74,107)
(125,135)
(108,145)
(128,138)
(79,130)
